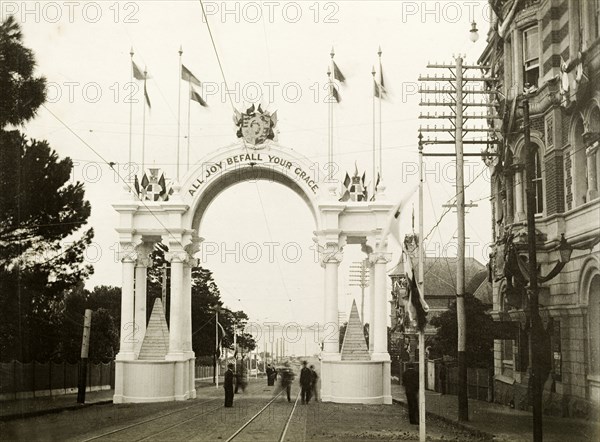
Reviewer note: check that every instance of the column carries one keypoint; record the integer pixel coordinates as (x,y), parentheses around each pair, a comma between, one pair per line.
(519,195)
(126,347)
(187,306)
(371,305)
(592,172)
(331,262)
(176,315)
(379,327)
(510,210)
(141,266)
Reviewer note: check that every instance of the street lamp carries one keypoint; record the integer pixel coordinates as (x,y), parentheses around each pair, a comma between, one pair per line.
(473,33)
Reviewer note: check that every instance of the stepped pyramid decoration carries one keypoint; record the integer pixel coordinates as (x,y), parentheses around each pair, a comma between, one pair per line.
(153,186)
(156,340)
(255,126)
(354,347)
(354,189)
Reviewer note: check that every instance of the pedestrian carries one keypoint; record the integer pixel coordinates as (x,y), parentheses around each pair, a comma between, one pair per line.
(228,386)
(286,378)
(270,375)
(305,382)
(240,378)
(410,380)
(443,373)
(314,383)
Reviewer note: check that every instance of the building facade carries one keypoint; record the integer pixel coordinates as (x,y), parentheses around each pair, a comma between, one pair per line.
(552,48)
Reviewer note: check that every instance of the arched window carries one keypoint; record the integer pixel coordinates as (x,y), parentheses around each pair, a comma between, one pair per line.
(538,183)
(594,325)
(579,163)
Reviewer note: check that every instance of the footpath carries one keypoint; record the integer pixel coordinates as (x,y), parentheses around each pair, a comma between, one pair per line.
(500,423)
(31,407)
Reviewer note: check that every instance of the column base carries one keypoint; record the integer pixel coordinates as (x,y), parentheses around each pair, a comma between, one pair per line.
(125,356)
(329,356)
(179,356)
(380,356)
(356,382)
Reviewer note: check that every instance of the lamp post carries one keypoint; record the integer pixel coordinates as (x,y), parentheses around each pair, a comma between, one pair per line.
(536,329)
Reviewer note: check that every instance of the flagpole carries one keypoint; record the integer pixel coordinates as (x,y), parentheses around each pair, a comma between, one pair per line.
(329,124)
(179,111)
(380,97)
(331,105)
(188,129)
(422,430)
(130,109)
(144,121)
(375,88)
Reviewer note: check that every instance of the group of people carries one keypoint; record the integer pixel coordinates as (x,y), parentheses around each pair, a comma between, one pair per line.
(308,382)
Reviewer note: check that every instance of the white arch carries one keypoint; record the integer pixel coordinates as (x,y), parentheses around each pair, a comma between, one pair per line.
(589,269)
(234,164)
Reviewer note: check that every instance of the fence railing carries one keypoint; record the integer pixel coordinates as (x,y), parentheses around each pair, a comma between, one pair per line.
(479,380)
(32,379)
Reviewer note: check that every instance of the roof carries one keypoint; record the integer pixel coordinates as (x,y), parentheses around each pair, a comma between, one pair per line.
(440,275)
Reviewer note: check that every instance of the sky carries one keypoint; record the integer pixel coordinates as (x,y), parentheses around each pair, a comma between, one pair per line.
(275,53)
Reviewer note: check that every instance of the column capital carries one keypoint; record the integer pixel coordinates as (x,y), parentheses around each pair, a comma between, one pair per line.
(380,257)
(178,256)
(592,149)
(143,252)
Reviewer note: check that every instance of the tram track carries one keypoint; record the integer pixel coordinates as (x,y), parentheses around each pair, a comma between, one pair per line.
(249,422)
(163,416)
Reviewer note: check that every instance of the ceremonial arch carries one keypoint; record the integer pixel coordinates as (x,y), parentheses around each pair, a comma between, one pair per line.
(176,221)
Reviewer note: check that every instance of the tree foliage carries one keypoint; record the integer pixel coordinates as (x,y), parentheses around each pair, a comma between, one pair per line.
(480,341)
(21,93)
(41,259)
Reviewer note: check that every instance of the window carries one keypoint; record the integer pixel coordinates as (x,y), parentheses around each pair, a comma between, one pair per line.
(531,56)
(538,183)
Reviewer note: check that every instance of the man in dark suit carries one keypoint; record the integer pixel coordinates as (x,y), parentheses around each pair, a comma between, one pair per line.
(228,386)
(410,380)
(305,382)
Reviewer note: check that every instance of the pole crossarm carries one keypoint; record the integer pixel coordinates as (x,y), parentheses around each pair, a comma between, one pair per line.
(464,141)
(453,66)
(436,78)
(451,103)
(466,129)
(451,116)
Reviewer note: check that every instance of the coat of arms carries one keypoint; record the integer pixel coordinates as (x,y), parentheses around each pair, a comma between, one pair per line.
(255,126)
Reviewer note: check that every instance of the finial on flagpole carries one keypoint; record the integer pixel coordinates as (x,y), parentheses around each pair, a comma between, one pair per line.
(131,52)
(379,52)
(328,71)
(373,71)
(332,52)
(180,50)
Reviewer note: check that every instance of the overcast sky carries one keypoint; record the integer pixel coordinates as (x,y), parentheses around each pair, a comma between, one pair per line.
(276,53)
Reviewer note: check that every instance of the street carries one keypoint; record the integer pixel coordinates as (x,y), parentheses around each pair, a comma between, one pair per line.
(205,419)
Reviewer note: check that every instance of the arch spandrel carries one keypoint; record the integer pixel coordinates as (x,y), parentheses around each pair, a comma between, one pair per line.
(236,163)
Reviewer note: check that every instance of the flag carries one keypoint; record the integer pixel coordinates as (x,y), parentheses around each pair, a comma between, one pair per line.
(346,188)
(146,96)
(337,74)
(163,186)
(195,96)
(381,81)
(137,72)
(335,93)
(139,75)
(187,75)
(416,306)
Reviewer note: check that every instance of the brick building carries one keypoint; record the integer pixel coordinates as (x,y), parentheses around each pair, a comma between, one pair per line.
(554,46)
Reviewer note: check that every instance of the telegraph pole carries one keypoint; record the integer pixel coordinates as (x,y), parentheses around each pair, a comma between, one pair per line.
(359,277)
(534,308)
(457,131)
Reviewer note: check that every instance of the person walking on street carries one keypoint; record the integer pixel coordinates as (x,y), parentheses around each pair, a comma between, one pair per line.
(410,380)
(305,382)
(314,388)
(228,386)
(287,377)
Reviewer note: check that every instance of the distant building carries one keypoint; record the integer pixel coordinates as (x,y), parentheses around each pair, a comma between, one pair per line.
(554,46)
(440,293)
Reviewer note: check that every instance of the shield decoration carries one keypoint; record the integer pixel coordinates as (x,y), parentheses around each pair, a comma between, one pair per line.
(153,191)
(357,192)
(255,128)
